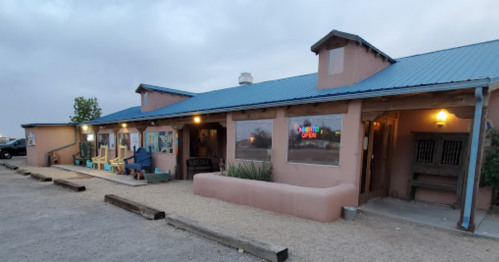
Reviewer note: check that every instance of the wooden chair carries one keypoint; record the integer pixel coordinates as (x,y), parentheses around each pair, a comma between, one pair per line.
(101,159)
(141,161)
(81,157)
(118,162)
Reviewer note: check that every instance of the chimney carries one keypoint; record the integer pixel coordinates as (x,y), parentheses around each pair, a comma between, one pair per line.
(245,79)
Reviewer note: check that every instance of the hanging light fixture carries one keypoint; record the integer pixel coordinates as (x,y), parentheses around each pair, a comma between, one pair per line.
(441,117)
(84,127)
(197,119)
(123,125)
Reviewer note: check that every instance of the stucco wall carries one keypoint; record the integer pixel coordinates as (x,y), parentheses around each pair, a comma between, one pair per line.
(424,121)
(312,175)
(358,65)
(163,161)
(48,138)
(156,100)
(31,151)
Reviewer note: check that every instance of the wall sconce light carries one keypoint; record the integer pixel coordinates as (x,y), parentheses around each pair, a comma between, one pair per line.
(123,125)
(251,139)
(441,117)
(197,119)
(85,127)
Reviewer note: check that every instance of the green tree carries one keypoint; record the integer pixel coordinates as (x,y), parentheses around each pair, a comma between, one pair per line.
(85,109)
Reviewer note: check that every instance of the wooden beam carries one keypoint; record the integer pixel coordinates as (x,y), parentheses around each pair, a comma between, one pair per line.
(141,209)
(255,247)
(467,112)
(441,100)
(337,107)
(254,114)
(70,185)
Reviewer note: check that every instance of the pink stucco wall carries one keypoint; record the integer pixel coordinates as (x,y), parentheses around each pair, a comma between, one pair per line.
(163,161)
(319,204)
(315,176)
(48,138)
(156,100)
(424,121)
(358,65)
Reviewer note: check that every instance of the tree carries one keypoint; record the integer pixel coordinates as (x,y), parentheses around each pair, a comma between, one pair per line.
(85,109)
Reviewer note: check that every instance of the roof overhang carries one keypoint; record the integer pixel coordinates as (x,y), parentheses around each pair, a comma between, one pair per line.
(484,82)
(337,39)
(47,124)
(145,87)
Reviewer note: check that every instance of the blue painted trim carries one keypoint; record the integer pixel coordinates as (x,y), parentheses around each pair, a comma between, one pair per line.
(475,139)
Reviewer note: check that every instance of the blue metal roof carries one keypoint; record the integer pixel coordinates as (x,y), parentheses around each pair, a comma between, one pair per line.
(461,67)
(164,90)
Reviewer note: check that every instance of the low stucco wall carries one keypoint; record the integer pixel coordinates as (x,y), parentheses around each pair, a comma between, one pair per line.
(319,204)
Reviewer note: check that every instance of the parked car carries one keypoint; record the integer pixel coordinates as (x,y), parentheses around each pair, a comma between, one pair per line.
(13,148)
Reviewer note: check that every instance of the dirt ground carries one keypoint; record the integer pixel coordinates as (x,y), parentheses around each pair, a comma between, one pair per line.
(368,238)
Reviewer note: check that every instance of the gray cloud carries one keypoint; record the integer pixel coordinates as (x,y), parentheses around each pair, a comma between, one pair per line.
(53,51)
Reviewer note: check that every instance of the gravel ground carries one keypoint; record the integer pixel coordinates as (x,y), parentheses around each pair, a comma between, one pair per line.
(368,238)
(43,222)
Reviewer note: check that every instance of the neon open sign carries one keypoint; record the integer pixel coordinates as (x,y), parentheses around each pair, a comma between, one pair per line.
(309,131)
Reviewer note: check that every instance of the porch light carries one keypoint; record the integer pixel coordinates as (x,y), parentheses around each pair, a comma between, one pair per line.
(123,125)
(197,119)
(441,118)
(252,139)
(85,127)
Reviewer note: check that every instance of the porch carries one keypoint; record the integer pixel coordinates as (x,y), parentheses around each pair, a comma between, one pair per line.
(122,179)
(431,215)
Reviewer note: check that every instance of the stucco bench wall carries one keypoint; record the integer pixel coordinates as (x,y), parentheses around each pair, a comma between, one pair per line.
(319,204)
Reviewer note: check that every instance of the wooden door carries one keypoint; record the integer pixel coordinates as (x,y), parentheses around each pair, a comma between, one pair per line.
(375,176)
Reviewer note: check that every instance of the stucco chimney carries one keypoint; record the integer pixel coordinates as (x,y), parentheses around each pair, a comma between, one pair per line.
(245,79)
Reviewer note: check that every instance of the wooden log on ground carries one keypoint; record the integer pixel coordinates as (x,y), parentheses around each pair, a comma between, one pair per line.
(9,166)
(23,172)
(69,184)
(41,178)
(257,248)
(132,206)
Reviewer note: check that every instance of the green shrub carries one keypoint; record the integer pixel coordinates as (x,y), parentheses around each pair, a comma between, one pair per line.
(249,170)
(490,169)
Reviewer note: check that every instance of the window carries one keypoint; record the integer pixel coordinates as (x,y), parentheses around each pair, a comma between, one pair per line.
(145,98)
(253,139)
(335,62)
(315,139)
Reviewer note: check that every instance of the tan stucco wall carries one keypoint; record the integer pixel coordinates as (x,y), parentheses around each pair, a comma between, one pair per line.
(48,138)
(359,64)
(312,175)
(424,121)
(156,100)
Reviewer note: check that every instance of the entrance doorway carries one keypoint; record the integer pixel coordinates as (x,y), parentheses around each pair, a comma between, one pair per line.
(207,141)
(376,160)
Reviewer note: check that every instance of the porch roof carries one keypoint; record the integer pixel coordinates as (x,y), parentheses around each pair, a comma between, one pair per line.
(456,68)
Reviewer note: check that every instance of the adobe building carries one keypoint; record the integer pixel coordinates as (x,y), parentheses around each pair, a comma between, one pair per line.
(364,126)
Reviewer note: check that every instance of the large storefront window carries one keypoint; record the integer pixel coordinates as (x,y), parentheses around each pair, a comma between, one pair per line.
(253,139)
(315,139)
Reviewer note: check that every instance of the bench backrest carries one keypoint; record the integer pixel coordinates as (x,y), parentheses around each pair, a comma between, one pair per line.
(141,156)
(197,162)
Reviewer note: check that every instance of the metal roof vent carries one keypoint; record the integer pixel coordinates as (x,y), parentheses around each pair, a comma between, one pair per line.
(245,79)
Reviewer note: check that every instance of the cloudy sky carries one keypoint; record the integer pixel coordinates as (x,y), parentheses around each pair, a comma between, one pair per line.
(54,51)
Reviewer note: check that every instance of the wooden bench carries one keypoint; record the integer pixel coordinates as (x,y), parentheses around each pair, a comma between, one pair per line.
(439,155)
(199,165)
